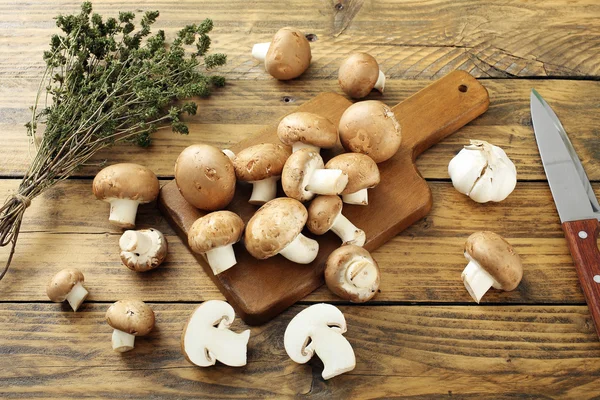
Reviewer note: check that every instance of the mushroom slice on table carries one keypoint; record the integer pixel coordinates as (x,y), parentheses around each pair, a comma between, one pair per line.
(318,329)
(276,228)
(207,339)
(304,129)
(129,318)
(143,250)
(205,177)
(287,56)
(67,284)
(492,263)
(370,127)
(325,213)
(261,165)
(362,172)
(483,172)
(352,273)
(214,235)
(304,175)
(359,74)
(125,186)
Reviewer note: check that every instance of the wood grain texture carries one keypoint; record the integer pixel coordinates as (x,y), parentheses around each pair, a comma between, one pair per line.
(243,108)
(68,227)
(410,352)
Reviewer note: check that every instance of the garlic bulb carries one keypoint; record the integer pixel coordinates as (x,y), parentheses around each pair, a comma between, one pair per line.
(483,172)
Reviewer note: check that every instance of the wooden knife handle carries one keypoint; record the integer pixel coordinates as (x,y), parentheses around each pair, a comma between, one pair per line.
(582,238)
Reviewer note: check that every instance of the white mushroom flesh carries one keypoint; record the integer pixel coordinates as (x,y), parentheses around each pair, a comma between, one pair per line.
(360,277)
(263,190)
(477,280)
(221,258)
(135,241)
(141,247)
(259,51)
(230,154)
(326,181)
(483,172)
(347,231)
(77,295)
(360,198)
(122,211)
(380,84)
(122,341)
(301,250)
(301,145)
(208,338)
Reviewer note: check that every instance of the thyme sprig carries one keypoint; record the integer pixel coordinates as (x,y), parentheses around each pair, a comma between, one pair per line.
(107,81)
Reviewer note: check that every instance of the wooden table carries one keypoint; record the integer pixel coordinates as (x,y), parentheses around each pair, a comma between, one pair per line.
(422,336)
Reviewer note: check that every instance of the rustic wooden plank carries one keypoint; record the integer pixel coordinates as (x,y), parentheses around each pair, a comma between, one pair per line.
(410,39)
(244,108)
(68,227)
(424,352)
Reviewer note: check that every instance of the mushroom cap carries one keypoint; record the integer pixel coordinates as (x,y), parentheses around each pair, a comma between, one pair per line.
(61,284)
(294,175)
(362,171)
(260,161)
(497,257)
(358,74)
(307,128)
(205,177)
(152,259)
(131,316)
(344,265)
(288,55)
(275,225)
(322,212)
(126,181)
(370,127)
(217,229)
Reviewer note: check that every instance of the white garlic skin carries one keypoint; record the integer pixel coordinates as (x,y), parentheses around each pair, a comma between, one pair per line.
(483,172)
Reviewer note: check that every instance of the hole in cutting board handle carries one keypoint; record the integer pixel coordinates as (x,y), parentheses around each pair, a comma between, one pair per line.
(463,88)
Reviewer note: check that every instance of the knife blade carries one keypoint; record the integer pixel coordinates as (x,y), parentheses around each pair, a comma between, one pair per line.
(574,197)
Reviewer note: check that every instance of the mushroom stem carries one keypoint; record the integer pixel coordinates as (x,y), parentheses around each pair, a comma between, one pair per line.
(334,350)
(263,190)
(301,250)
(122,341)
(122,212)
(380,84)
(77,295)
(477,280)
(361,274)
(136,242)
(347,231)
(360,198)
(301,145)
(229,153)
(259,51)
(221,258)
(327,181)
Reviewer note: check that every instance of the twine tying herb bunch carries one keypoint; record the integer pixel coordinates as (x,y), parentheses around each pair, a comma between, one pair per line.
(106,82)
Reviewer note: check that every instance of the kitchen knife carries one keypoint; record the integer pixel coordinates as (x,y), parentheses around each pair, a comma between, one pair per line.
(574,197)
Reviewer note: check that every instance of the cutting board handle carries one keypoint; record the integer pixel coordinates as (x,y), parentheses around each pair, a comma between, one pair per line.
(440,109)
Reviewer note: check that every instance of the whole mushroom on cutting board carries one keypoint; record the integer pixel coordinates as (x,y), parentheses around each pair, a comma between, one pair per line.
(307,130)
(325,213)
(352,274)
(67,284)
(129,318)
(362,172)
(359,74)
(143,250)
(286,56)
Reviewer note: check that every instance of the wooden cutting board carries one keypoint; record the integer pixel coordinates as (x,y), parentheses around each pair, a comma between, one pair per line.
(260,290)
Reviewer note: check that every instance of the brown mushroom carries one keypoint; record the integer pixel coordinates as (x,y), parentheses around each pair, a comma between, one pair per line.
(492,263)
(362,174)
(304,175)
(352,274)
(325,213)
(205,177)
(125,186)
(261,165)
(370,127)
(67,284)
(359,74)
(276,228)
(214,235)
(143,250)
(304,129)
(287,56)
(129,318)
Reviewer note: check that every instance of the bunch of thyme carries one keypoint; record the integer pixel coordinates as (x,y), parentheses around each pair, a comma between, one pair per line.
(107,82)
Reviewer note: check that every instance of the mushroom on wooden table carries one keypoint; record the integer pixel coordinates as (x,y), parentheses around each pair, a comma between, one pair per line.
(362,172)
(143,250)
(307,130)
(352,273)
(129,318)
(67,284)
(325,213)
(359,74)
(286,56)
